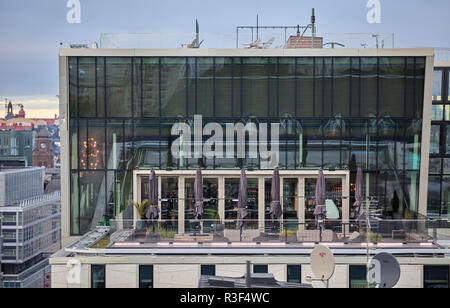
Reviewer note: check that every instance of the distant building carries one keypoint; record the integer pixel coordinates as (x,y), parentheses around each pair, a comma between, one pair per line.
(31,227)
(16,148)
(16,126)
(43,155)
(1,252)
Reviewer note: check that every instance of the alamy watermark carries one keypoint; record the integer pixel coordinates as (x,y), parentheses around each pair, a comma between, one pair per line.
(235,145)
(74,14)
(73,272)
(374,14)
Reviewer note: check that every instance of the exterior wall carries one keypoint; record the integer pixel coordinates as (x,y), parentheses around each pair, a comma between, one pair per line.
(184,272)
(60,277)
(176,275)
(411,277)
(122,276)
(23,144)
(12,185)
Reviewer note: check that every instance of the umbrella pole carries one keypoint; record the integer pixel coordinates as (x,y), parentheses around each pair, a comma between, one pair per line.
(240,235)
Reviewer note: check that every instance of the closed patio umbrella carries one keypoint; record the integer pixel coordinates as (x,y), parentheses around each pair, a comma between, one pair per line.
(320,211)
(275,205)
(242,202)
(359,195)
(153,211)
(198,195)
(359,192)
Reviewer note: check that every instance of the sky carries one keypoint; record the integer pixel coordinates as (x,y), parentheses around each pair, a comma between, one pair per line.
(32,32)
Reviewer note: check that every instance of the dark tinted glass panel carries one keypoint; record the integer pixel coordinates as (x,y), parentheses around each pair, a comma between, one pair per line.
(74,205)
(358,276)
(208,270)
(435,165)
(445,209)
(98,276)
(392,87)
(100,63)
(434,195)
(224,87)
(319,87)
(341,86)
(173,87)
(447,142)
(205,87)
(312,144)
(419,87)
(368,87)
(73,87)
(150,87)
(294,273)
(146,143)
(146,276)
(287,84)
(436,277)
(260,269)
(305,87)
(119,90)
(87,83)
(255,82)
(386,144)
(328,84)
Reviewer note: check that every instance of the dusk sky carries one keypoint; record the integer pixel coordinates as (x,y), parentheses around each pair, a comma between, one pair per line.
(31,31)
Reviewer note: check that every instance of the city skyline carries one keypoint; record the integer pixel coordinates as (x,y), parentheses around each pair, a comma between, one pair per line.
(30,78)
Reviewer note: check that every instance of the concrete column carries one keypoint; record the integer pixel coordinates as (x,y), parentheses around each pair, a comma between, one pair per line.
(221,196)
(426,135)
(181,204)
(301,208)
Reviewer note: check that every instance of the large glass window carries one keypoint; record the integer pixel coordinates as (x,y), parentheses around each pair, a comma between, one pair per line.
(392,87)
(435,141)
(118,87)
(174,72)
(254,90)
(369,109)
(294,273)
(145,276)
(98,277)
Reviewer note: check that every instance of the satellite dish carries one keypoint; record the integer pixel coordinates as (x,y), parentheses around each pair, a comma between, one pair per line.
(384,270)
(322,262)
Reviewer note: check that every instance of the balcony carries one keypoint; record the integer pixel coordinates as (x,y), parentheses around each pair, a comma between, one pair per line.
(223,236)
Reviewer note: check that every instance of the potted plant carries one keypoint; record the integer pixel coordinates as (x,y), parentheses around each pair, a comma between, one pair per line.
(141,209)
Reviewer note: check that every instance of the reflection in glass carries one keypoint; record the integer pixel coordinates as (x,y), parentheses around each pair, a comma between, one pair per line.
(437,86)
(435,141)
(290,199)
(210,205)
(231,200)
(118,87)
(434,195)
(437,113)
(169,202)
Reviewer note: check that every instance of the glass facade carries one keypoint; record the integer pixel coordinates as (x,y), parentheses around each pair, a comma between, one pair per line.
(334,112)
(439,178)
